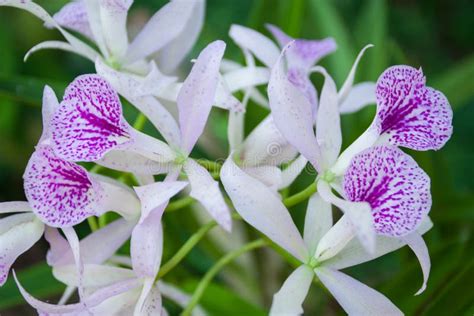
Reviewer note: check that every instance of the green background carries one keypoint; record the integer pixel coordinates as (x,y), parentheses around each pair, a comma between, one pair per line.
(435,35)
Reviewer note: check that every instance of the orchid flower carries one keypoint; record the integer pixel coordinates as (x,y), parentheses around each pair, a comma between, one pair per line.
(259,206)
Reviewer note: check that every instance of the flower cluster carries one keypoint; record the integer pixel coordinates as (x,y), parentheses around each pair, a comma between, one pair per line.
(382,195)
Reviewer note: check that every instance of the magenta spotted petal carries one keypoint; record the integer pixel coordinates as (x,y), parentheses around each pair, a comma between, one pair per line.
(396,188)
(59,192)
(89,122)
(410,113)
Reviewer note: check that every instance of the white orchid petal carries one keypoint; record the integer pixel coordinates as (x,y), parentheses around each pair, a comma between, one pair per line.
(336,238)
(269,175)
(346,87)
(113,17)
(361,95)
(94,276)
(206,190)
(65,46)
(94,18)
(328,121)
(292,171)
(246,77)
(317,222)
(355,297)
(153,303)
(127,161)
(17,234)
(261,208)
(289,299)
(358,213)
(418,245)
(156,194)
(14,207)
(235,129)
(261,46)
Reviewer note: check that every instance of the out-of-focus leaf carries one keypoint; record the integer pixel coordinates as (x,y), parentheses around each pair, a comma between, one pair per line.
(456,83)
(327,20)
(218,300)
(37,279)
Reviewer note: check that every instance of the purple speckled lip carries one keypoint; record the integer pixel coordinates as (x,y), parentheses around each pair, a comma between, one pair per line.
(396,188)
(413,115)
(89,121)
(59,192)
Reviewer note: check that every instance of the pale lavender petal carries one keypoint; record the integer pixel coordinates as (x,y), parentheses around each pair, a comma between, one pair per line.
(300,79)
(396,188)
(355,297)
(347,85)
(49,107)
(73,241)
(268,175)
(259,45)
(95,276)
(418,245)
(292,171)
(153,302)
(360,95)
(113,17)
(128,161)
(289,299)
(60,192)
(261,208)
(206,190)
(335,239)
(18,233)
(245,77)
(292,113)
(74,16)
(172,54)
(410,113)
(89,122)
(305,53)
(163,27)
(14,207)
(95,23)
(197,94)
(58,246)
(156,194)
(318,221)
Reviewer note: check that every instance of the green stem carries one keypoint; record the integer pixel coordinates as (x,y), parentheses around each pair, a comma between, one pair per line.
(206,280)
(179,204)
(139,122)
(210,165)
(92,220)
(300,196)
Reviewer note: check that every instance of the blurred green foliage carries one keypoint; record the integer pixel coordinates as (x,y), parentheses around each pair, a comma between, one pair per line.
(436,35)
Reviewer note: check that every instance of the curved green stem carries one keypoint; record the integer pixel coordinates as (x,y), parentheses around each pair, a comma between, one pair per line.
(139,122)
(300,196)
(203,284)
(92,221)
(210,165)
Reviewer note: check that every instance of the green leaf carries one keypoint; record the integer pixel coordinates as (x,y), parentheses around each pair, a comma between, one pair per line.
(37,280)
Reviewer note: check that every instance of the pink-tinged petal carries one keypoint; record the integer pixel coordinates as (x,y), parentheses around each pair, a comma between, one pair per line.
(360,95)
(305,53)
(18,233)
(49,107)
(261,208)
(259,45)
(156,194)
(93,300)
(152,305)
(355,297)
(60,192)
(300,79)
(162,28)
(318,221)
(328,122)
(113,17)
(14,207)
(114,235)
(74,17)
(418,245)
(266,145)
(292,113)
(171,55)
(128,161)
(396,188)
(289,299)
(206,190)
(354,253)
(197,94)
(89,122)
(410,113)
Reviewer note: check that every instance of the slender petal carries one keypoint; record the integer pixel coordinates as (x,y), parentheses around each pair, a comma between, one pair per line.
(60,193)
(291,172)
(49,107)
(245,77)
(361,95)
(129,161)
(73,241)
(206,190)
(410,113)
(196,97)
(65,46)
(396,188)
(95,276)
(153,302)
(17,234)
(292,113)
(163,27)
(336,238)
(328,124)
(261,208)
(74,16)
(156,194)
(290,297)
(14,207)
(356,298)
(113,17)
(347,85)
(259,45)
(317,222)
(269,175)
(418,245)
(95,23)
